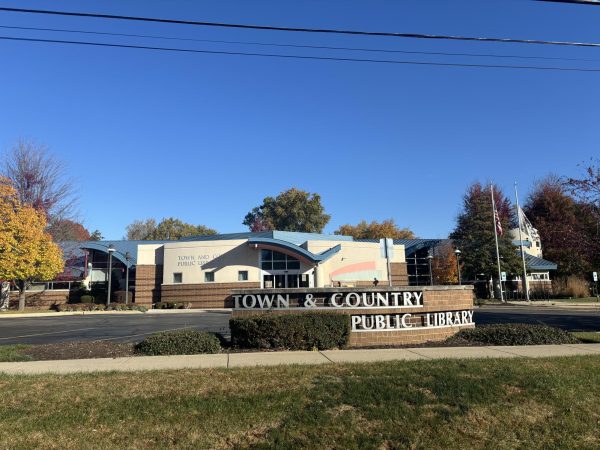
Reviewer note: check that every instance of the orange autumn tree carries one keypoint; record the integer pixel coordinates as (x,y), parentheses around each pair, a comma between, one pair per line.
(443,266)
(27,252)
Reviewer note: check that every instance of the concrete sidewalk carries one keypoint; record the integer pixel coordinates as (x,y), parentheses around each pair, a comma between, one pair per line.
(230,360)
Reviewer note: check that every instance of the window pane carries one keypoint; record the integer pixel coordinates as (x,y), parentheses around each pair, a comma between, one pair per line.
(267,265)
(266,255)
(177,277)
(209,277)
(278,256)
(279,265)
(293,264)
(243,275)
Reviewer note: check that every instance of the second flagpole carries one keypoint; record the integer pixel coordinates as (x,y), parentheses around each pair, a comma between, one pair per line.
(496,217)
(525,284)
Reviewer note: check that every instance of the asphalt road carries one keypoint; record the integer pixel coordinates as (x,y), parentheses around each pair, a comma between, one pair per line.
(570,319)
(114,327)
(133,328)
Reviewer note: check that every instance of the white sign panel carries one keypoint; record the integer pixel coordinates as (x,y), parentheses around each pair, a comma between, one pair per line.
(387,248)
(595,275)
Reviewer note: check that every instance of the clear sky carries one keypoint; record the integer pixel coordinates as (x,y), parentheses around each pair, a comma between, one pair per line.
(206,137)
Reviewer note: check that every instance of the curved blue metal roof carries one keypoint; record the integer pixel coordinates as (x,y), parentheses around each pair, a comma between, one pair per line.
(314,258)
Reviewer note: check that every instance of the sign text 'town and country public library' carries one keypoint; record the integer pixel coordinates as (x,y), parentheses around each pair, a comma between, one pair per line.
(357,301)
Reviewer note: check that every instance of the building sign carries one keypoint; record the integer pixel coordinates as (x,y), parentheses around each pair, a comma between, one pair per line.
(361,305)
(195,260)
(342,300)
(393,322)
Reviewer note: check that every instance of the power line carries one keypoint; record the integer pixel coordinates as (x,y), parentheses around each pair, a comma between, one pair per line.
(581,2)
(317,47)
(319,58)
(302,30)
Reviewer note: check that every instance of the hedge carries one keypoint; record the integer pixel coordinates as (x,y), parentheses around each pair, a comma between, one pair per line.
(515,334)
(172,305)
(184,342)
(305,331)
(69,307)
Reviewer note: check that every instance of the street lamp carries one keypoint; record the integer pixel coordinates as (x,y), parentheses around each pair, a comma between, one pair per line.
(429,259)
(111,250)
(127,258)
(457,252)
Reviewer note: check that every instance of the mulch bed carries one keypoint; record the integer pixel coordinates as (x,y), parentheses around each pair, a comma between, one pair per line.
(106,349)
(79,350)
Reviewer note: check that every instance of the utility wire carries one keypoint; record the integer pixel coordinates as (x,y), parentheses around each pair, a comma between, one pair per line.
(581,2)
(320,58)
(302,30)
(318,47)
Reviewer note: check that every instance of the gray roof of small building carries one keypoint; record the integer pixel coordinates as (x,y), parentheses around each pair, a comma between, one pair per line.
(535,263)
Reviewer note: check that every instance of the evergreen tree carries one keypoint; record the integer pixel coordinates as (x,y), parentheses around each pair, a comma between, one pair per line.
(474,234)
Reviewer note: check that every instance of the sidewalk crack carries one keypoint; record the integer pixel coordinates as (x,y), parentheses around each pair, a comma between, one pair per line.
(504,351)
(326,357)
(417,353)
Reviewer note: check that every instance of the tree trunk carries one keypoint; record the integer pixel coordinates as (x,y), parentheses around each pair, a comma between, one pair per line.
(21,285)
(4,295)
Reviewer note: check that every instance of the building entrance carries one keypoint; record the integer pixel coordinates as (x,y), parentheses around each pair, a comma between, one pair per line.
(286,280)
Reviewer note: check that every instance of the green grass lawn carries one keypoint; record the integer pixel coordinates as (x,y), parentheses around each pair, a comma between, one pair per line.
(11,353)
(588,337)
(495,403)
(570,300)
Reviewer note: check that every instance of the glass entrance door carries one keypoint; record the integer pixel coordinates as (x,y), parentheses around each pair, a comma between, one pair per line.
(281,281)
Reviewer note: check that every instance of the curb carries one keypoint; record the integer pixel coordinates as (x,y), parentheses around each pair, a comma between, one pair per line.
(99,313)
(66,313)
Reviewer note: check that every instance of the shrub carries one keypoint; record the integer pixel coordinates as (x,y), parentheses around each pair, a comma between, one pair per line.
(169,305)
(514,334)
(184,342)
(123,307)
(571,287)
(70,307)
(86,299)
(304,331)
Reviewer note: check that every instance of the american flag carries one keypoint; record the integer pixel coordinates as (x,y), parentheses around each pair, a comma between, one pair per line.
(498,223)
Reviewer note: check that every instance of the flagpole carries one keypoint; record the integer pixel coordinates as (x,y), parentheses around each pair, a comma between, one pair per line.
(496,237)
(525,281)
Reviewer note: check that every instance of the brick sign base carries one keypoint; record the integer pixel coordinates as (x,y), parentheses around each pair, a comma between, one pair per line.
(379,316)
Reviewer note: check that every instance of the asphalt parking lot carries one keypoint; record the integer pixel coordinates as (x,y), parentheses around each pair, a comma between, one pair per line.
(134,327)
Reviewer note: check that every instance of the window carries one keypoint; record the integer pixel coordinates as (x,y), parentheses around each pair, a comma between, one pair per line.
(209,277)
(272,260)
(243,275)
(177,277)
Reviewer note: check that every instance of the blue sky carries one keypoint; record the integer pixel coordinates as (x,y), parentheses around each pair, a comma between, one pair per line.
(205,137)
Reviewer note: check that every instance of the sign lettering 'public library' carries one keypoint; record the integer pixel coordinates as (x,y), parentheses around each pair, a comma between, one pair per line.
(378,316)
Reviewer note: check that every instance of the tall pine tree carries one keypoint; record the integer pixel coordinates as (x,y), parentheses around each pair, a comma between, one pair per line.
(474,234)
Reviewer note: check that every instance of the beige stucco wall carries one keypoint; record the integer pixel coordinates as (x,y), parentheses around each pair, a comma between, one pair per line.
(225,258)
(353,255)
(150,254)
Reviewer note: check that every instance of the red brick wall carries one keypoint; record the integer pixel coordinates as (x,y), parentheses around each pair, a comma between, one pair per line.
(205,295)
(148,280)
(40,299)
